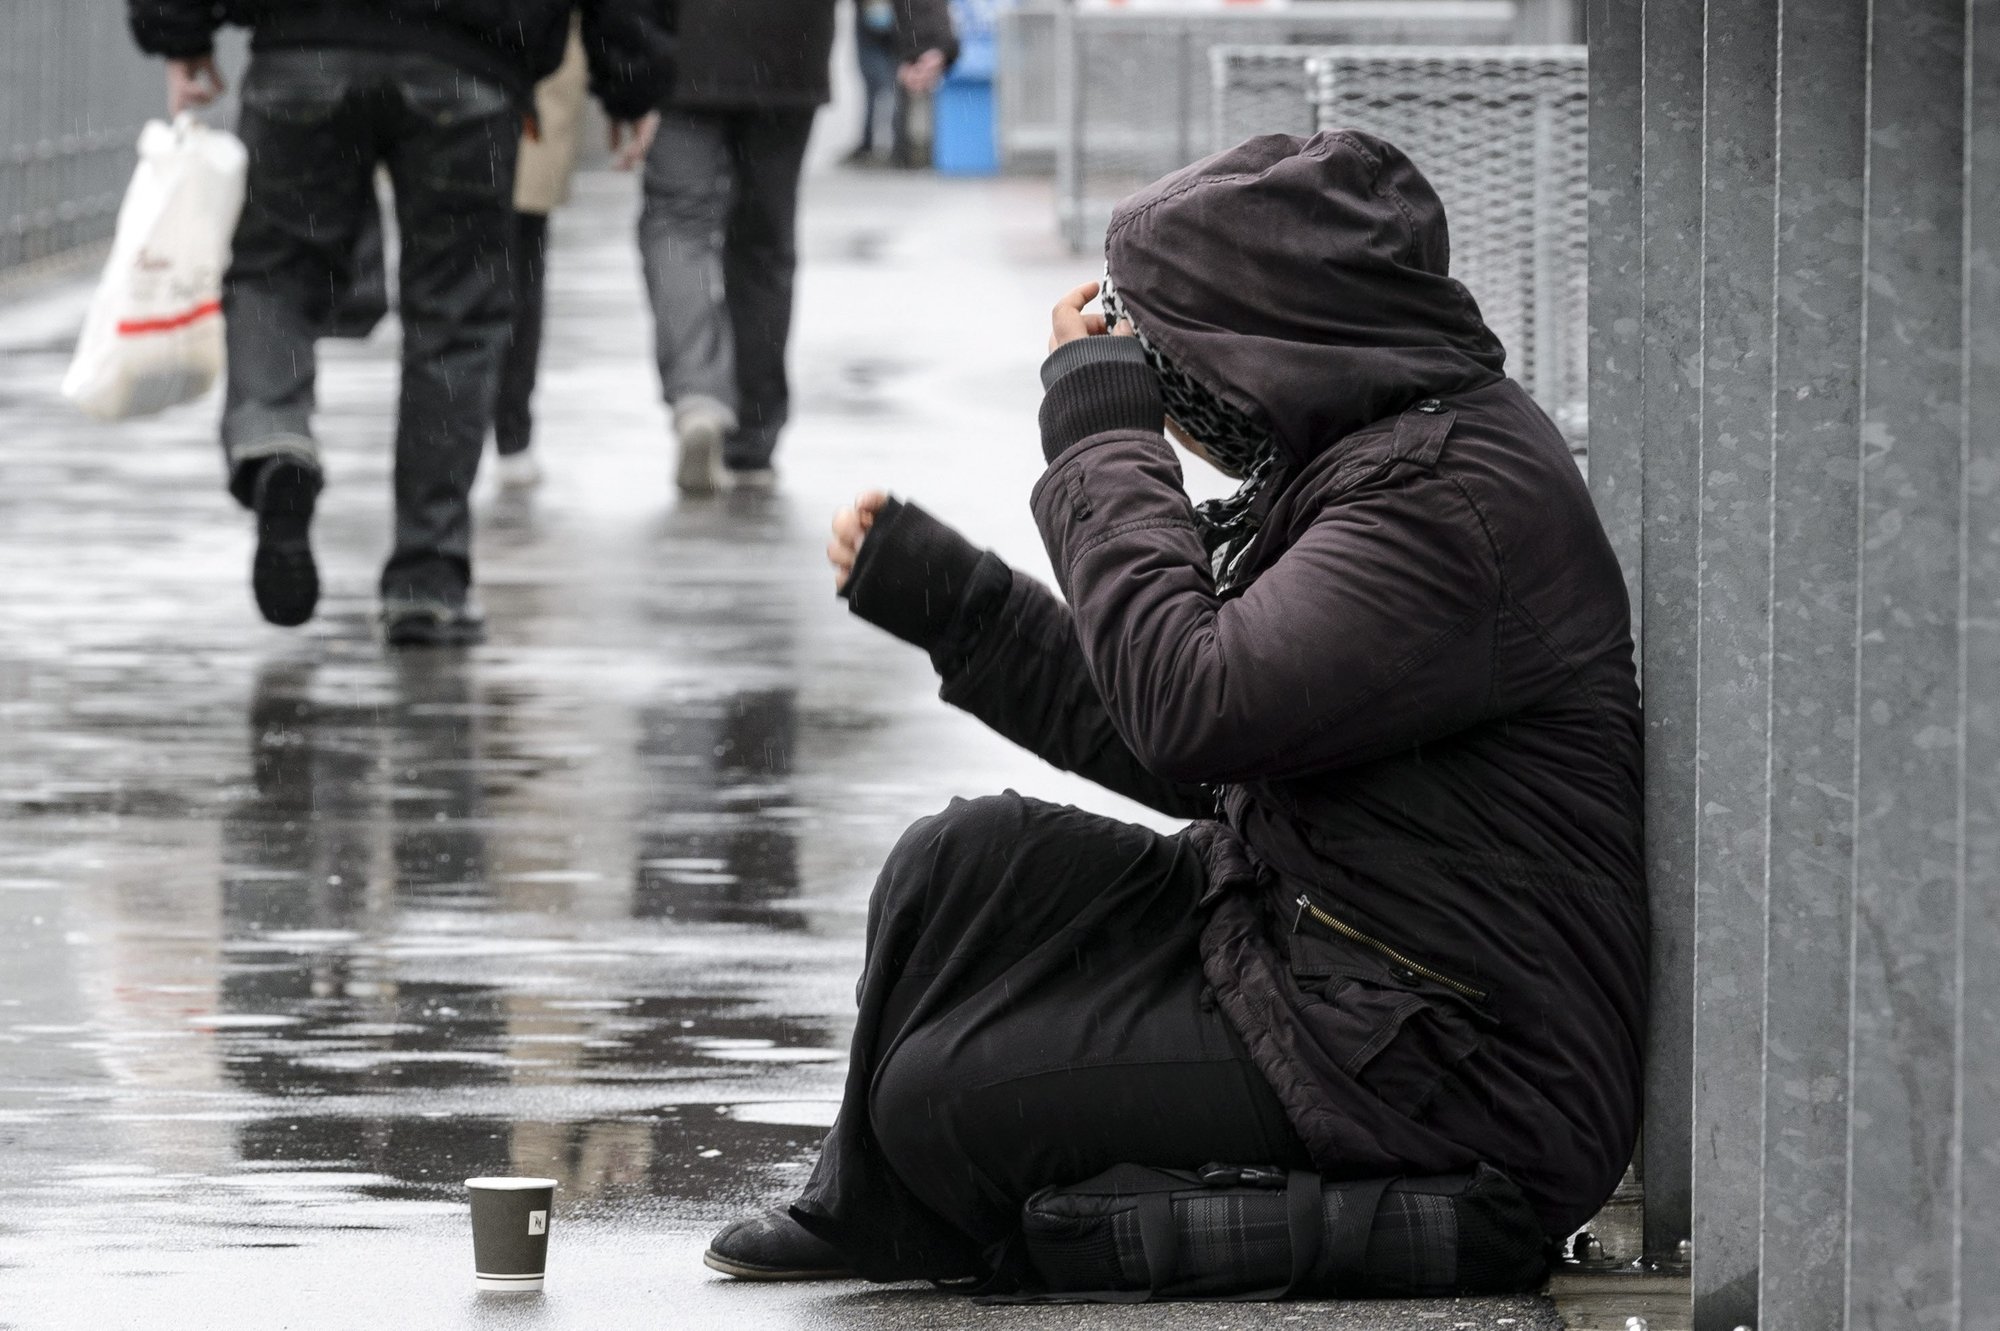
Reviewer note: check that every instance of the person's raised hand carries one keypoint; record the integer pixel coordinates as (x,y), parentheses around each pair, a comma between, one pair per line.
(850,527)
(923,74)
(192,82)
(1070,321)
(631,140)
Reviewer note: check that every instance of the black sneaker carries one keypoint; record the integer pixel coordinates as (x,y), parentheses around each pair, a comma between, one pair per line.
(432,623)
(773,1246)
(283,576)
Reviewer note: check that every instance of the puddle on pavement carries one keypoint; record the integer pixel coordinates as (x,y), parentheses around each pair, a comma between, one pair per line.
(426,919)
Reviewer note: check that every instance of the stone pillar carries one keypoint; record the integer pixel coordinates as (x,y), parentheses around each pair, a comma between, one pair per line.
(1795,324)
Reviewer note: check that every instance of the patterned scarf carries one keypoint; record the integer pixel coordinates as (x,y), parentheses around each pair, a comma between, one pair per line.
(1235,443)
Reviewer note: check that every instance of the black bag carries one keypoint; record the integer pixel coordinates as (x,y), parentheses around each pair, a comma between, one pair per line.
(1226,1232)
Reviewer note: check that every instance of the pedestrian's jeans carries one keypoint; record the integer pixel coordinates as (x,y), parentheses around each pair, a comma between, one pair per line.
(316,122)
(717,237)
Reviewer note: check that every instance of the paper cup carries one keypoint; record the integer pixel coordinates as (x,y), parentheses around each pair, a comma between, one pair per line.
(510,1232)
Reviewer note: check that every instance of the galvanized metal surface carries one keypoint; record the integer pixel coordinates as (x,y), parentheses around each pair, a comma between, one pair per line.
(1816,394)
(1815,419)
(1669,365)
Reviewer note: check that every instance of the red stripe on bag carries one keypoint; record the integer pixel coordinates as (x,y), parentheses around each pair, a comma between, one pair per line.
(129,327)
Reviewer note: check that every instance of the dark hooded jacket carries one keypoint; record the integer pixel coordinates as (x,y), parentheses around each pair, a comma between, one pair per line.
(514,42)
(769,54)
(1409,728)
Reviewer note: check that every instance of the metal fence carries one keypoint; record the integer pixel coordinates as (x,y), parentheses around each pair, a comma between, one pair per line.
(73,94)
(1502,134)
(1133,94)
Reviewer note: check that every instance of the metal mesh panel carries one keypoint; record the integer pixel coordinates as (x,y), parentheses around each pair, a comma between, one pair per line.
(1262,90)
(1135,92)
(1502,135)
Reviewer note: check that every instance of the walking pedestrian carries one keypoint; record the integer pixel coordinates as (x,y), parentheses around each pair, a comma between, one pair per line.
(716,231)
(435,92)
(541,185)
(875,49)
(1391,682)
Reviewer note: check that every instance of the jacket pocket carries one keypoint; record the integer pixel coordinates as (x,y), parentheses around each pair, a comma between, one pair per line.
(296,88)
(1398,1043)
(1394,1032)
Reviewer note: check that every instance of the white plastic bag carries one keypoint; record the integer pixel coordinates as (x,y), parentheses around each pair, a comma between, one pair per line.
(153,337)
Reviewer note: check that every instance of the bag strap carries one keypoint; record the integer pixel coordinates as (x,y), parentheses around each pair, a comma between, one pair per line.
(1159,1238)
(1306,1221)
(1348,1243)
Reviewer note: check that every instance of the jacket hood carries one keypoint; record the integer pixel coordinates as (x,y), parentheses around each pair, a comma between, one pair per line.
(1306,281)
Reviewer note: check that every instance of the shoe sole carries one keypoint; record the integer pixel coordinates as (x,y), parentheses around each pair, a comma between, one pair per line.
(283,576)
(432,634)
(700,460)
(714,1261)
(761,481)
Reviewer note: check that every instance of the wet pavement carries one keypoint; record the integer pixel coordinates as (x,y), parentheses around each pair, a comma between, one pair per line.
(297,933)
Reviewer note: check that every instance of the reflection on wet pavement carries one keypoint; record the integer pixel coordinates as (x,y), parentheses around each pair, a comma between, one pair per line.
(295,934)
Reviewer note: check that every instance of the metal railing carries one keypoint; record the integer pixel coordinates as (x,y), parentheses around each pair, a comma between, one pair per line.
(73,94)
(1134,95)
(1024,86)
(1502,134)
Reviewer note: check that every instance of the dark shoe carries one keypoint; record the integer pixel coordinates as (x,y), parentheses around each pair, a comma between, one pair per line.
(283,575)
(428,623)
(773,1246)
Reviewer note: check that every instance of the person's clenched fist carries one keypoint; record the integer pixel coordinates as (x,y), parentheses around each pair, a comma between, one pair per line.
(850,526)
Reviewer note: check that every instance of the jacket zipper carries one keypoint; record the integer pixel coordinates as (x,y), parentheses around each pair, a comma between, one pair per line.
(1348,931)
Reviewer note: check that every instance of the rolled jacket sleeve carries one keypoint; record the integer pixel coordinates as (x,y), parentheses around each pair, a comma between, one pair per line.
(1094,385)
(911,574)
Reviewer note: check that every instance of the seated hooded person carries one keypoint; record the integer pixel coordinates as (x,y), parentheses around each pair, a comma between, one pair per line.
(1389,681)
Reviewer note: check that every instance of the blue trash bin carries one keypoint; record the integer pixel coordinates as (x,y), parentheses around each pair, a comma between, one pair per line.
(964,142)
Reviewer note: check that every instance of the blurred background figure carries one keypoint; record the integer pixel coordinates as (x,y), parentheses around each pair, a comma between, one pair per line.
(541,185)
(875,45)
(721,203)
(332,90)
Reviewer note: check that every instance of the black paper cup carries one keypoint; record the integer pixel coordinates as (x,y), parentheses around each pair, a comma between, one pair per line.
(510,1232)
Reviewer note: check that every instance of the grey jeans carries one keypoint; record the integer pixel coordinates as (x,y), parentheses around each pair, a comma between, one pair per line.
(717,237)
(316,122)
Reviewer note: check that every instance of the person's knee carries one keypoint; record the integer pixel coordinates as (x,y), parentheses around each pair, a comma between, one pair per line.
(916,1111)
(964,826)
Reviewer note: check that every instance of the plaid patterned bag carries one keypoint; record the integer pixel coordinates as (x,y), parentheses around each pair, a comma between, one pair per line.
(1226,1232)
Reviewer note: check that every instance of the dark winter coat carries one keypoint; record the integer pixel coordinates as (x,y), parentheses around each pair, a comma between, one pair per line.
(1411,730)
(514,42)
(743,54)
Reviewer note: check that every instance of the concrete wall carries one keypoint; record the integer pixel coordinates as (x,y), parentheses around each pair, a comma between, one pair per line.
(1795,429)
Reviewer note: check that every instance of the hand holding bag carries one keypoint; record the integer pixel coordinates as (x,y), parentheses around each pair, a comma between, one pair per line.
(153,336)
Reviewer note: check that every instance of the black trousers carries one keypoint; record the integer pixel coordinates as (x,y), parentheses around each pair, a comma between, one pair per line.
(316,121)
(1032,1012)
(513,420)
(718,237)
